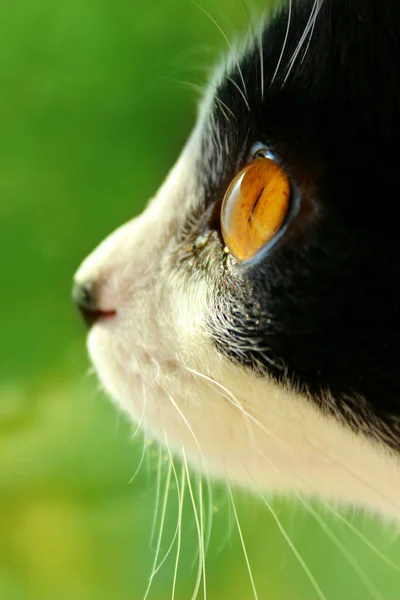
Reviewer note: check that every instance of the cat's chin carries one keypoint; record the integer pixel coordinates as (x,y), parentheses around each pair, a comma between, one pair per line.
(247,431)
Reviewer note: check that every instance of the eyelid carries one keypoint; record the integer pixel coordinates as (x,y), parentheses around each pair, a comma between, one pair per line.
(261,148)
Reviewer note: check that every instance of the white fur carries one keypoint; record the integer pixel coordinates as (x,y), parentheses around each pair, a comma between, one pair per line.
(155,356)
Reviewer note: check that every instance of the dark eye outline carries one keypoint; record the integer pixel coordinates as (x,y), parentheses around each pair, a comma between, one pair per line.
(260,150)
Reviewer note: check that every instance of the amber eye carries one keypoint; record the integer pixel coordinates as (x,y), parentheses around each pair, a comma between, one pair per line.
(255,207)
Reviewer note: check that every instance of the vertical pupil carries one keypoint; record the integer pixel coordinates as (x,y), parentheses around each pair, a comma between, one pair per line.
(257,200)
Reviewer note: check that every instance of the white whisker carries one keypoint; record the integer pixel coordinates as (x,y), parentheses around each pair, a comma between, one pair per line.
(140,422)
(243,544)
(256,44)
(162,521)
(227,539)
(233,82)
(210,501)
(300,434)
(178,548)
(221,105)
(207,82)
(309,41)
(362,537)
(174,404)
(261,53)
(285,41)
(352,561)
(156,376)
(168,552)
(349,557)
(218,26)
(203,553)
(309,27)
(157,501)
(229,396)
(141,460)
(201,573)
(291,545)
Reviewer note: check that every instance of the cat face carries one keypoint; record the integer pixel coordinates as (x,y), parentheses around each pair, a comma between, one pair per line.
(277,368)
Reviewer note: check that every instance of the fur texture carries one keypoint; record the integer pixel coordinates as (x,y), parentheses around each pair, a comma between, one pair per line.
(281,372)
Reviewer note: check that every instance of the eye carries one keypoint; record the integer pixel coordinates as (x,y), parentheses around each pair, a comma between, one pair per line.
(255,207)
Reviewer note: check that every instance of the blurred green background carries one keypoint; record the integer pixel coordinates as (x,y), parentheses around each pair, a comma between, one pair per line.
(90,122)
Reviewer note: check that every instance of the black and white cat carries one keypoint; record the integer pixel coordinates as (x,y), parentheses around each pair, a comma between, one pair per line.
(250,317)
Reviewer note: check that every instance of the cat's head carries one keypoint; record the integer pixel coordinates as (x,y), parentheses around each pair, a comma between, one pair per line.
(250,316)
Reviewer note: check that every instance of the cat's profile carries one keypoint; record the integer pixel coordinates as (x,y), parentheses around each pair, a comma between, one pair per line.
(250,317)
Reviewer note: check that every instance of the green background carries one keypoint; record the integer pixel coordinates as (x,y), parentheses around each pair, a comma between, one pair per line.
(90,122)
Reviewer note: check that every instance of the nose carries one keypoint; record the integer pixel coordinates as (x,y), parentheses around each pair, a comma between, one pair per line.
(84,296)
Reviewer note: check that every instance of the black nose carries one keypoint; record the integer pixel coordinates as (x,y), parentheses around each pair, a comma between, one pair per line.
(84,296)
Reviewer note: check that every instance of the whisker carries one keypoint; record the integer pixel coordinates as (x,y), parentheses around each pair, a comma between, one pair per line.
(244,4)
(156,376)
(231,398)
(285,41)
(222,106)
(168,552)
(243,544)
(349,557)
(202,516)
(216,97)
(201,573)
(362,537)
(231,523)
(302,39)
(178,549)
(261,53)
(191,84)
(354,529)
(139,425)
(355,476)
(174,404)
(292,546)
(210,501)
(311,22)
(203,553)
(227,539)
(157,501)
(309,41)
(352,561)
(161,531)
(233,82)
(218,26)
(235,402)
(141,460)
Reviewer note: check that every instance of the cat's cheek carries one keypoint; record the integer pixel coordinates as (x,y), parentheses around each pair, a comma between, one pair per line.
(121,380)
(127,375)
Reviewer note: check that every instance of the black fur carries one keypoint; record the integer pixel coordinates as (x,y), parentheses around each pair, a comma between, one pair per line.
(321,309)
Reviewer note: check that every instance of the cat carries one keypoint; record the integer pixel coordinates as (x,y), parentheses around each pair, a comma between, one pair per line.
(249,318)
